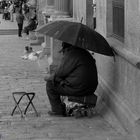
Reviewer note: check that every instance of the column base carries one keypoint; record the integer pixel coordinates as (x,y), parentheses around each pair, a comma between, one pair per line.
(59,13)
(49,10)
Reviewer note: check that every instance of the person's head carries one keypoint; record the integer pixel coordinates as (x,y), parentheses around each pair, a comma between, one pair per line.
(65,46)
(28,49)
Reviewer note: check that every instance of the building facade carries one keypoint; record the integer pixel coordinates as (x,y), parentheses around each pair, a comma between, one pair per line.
(118,21)
(62,9)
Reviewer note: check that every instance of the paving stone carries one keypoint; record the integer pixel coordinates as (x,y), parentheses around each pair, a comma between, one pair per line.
(19,75)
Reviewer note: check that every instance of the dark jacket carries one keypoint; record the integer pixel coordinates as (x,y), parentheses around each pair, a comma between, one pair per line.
(31,24)
(19,18)
(77,72)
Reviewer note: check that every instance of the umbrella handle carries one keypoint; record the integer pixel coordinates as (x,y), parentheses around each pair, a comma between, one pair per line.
(81,19)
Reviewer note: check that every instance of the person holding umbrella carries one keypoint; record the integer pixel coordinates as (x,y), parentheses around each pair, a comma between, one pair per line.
(76,76)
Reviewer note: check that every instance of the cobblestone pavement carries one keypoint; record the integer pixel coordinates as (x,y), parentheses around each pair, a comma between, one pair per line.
(23,75)
(7,24)
(7,27)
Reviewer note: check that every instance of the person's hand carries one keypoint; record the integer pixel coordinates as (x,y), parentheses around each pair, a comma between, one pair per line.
(48,77)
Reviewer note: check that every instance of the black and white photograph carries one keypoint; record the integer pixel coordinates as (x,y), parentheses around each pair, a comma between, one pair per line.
(69,70)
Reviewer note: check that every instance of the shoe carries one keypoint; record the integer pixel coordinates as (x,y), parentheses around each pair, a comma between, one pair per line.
(58,114)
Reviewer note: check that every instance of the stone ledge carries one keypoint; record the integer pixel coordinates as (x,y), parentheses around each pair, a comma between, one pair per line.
(35,43)
(124,53)
(39,40)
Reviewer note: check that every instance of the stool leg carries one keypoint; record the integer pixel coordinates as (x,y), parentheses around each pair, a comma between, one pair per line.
(33,105)
(17,105)
(30,102)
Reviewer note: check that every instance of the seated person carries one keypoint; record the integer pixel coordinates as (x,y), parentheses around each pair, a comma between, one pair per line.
(75,76)
(32,25)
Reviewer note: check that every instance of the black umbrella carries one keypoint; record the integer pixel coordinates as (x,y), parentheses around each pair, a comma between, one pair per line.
(78,35)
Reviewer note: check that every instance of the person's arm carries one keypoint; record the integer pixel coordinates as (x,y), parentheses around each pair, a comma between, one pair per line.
(29,22)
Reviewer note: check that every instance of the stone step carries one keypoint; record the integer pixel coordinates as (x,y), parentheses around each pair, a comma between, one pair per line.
(35,43)
(8,31)
(38,41)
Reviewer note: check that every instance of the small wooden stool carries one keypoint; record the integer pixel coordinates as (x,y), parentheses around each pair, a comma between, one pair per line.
(30,97)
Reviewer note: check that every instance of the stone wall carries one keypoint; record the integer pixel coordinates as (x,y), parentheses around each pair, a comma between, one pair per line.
(82,10)
(120,76)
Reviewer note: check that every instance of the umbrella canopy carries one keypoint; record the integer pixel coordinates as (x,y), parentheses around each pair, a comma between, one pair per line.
(78,35)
